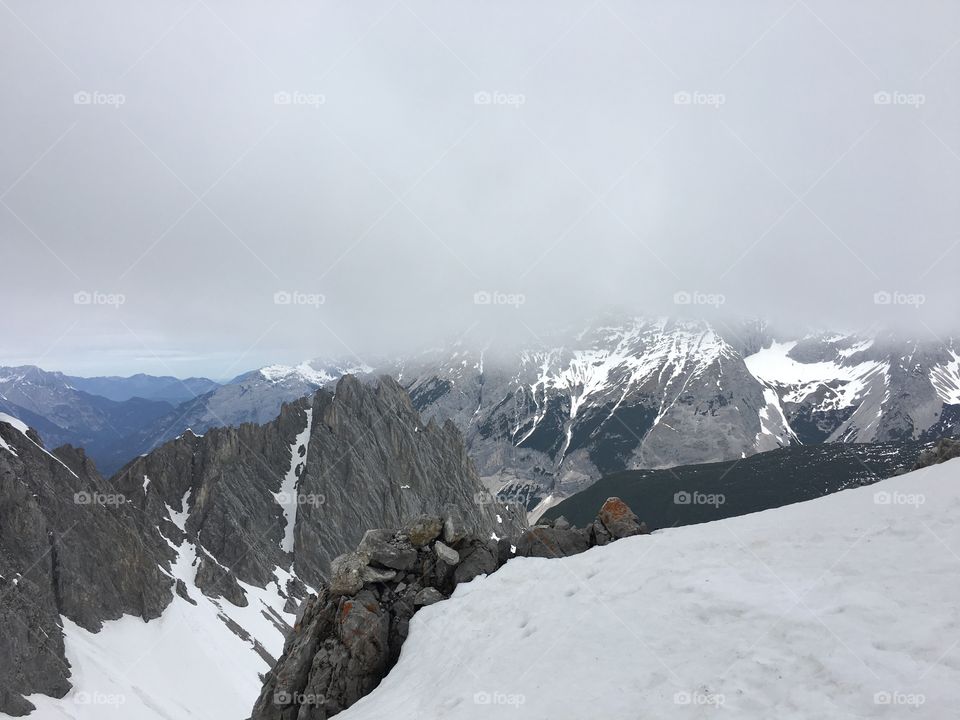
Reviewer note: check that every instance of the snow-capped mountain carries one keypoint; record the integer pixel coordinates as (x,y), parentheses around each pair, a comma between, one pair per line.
(638,393)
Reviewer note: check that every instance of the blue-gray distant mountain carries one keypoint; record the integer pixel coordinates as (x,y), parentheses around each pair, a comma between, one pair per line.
(149,387)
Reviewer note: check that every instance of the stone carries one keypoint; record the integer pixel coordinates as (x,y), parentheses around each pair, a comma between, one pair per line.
(384,548)
(561,523)
(477,558)
(215,581)
(619,520)
(454,528)
(427,596)
(346,573)
(446,553)
(547,542)
(424,530)
(377,575)
(504,550)
(181,590)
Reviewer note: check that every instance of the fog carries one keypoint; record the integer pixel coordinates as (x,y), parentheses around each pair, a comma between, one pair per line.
(206,187)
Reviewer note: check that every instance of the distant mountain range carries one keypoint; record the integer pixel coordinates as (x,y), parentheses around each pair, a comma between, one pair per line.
(547,420)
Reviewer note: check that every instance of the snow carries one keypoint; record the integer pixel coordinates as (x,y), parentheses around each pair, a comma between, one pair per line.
(847,384)
(841,607)
(186,664)
(288,496)
(946,379)
(305,372)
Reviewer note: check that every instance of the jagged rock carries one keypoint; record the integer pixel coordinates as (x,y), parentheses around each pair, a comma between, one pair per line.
(424,530)
(446,553)
(619,520)
(946,449)
(598,534)
(546,542)
(561,523)
(384,548)
(181,589)
(346,573)
(477,557)
(216,581)
(504,550)
(427,596)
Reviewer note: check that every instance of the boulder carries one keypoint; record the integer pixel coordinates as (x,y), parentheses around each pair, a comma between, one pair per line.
(446,553)
(454,528)
(424,530)
(384,548)
(346,573)
(619,520)
(561,523)
(215,581)
(547,542)
(377,575)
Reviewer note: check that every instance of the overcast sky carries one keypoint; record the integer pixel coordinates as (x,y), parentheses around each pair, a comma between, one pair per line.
(206,187)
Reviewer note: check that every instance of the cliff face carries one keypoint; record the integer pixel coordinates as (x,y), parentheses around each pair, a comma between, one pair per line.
(240,508)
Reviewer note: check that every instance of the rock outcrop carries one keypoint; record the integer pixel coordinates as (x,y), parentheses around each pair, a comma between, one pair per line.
(944,450)
(348,636)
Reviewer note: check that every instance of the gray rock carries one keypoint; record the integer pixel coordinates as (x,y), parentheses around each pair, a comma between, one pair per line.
(547,542)
(446,553)
(427,596)
(454,528)
(377,575)
(561,523)
(478,557)
(216,581)
(346,574)
(384,548)
(424,530)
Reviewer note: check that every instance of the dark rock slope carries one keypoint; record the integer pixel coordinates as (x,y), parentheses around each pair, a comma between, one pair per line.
(71,546)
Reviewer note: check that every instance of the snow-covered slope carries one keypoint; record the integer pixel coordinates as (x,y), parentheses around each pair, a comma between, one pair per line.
(842,607)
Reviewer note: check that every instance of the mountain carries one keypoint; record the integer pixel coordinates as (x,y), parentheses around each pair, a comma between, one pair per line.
(630,393)
(150,387)
(51,403)
(690,494)
(841,607)
(212,540)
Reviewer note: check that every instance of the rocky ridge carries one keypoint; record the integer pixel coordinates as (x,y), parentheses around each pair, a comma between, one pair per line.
(349,634)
